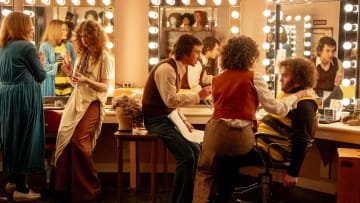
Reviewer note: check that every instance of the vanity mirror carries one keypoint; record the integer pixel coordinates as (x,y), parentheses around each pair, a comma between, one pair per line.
(319,23)
(75,11)
(6,6)
(168,19)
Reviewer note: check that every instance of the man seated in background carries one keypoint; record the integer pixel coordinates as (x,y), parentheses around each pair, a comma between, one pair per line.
(330,71)
(197,77)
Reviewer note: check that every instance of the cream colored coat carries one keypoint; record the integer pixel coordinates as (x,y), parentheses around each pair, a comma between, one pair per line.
(79,101)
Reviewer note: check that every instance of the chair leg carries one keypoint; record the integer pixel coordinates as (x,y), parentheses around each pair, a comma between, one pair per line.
(48,172)
(266,182)
(263,187)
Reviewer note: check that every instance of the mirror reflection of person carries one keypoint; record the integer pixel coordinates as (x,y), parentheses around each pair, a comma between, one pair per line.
(91,15)
(196,77)
(283,40)
(329,68)
(56,47)
(69,21)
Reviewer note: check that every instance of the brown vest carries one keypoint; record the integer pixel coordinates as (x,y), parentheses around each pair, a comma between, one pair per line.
(234,95)
(326,78)
(152,103)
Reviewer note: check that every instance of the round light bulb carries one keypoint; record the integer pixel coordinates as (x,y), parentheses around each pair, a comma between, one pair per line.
(235,14)
(266,29)
(347,26)
(266,45)
(153,14)
(235,30)
(345,101)
(346,64)
(266,62)
(232,2)
(186,2)
(267,13)
(153,61)
(153,30)
(217,2)
(347,45)
(345,82)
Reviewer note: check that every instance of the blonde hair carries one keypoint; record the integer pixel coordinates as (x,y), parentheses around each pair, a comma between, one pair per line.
(15,26)
(53,33)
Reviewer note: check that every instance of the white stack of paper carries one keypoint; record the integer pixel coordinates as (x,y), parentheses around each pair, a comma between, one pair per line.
(194,136)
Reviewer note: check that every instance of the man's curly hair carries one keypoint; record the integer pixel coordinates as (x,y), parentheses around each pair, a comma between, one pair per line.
(302,71)
(239,53)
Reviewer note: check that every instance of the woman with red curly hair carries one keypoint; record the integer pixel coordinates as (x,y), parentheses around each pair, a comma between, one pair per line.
(83,115)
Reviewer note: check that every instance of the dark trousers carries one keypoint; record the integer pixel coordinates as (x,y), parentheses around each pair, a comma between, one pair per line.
(185,152)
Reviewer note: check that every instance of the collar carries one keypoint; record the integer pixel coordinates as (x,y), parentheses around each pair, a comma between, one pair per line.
(318,62)
(204,60)
(181,68)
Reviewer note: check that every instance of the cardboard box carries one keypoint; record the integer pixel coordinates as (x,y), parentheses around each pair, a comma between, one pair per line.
(348,181)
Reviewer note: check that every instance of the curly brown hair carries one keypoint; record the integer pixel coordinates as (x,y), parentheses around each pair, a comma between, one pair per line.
(96,35)
(303,71)
(239,53)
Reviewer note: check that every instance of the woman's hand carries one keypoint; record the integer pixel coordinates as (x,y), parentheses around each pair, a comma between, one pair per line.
(42,57)
(303,93)
(66,68)
(78,77)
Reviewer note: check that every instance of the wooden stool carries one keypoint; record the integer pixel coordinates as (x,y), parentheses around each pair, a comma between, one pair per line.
(122,137)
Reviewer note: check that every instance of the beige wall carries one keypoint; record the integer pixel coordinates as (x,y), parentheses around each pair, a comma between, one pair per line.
(131,38)
(252,22)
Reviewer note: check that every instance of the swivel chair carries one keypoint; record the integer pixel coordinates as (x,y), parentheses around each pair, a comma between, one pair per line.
(264,184)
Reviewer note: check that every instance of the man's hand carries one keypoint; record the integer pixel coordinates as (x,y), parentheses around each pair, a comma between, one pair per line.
(290,181)
(188,125)
(205,92)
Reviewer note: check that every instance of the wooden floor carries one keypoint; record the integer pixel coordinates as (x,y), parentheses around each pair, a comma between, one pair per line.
(163,195)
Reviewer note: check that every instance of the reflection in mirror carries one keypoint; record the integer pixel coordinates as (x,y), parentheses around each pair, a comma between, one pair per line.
(170,19)
(6,6)
(309,31)
(73,13)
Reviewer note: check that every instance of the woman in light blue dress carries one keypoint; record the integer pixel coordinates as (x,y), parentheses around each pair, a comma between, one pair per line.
(56,47)
(21,108)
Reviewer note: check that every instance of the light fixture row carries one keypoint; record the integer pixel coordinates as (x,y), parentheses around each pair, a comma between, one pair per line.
(194,2)
(73,2)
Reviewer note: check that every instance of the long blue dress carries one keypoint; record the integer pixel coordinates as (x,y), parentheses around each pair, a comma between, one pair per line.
(21,108)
